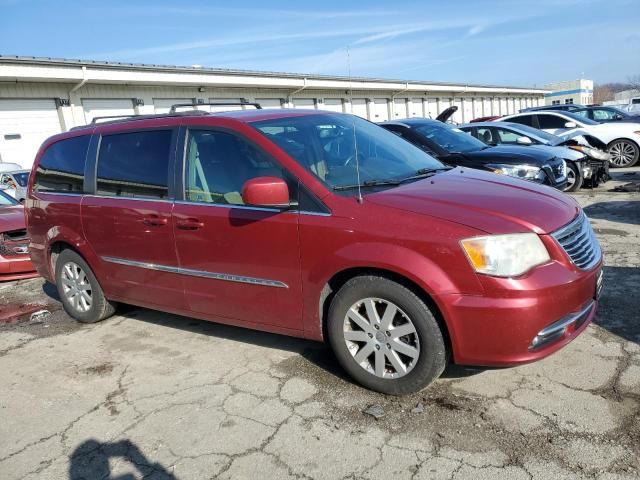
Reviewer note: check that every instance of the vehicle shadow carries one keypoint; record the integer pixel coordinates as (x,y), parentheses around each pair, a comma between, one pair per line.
(90,460)
(619,309)
(615,211)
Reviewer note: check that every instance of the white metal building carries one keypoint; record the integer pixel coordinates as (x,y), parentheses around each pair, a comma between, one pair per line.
(42,96)
(579,92)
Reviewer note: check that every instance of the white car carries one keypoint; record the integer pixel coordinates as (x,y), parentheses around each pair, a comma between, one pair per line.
(622,138)
(14,183)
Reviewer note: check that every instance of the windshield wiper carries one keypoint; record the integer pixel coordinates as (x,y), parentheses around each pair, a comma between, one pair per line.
(366,184)
(424,173)
(421,173)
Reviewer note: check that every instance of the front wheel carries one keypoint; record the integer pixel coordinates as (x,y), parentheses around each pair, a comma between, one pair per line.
(574,177)
(79,291)
(385,336)
(624,153)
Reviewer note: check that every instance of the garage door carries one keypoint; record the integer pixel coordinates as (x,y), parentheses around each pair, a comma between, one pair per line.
(333,104)
(359,107)
(380,110)
(163,105)
(225,108)
(444,104)
(24,125)
(432,108)
(503,106)
(486,107)
(269,102)
(304,103)
(415,107)
(467,110)
(399,108)
(106,107)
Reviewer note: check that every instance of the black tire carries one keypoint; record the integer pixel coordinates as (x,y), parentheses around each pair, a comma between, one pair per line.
(100,308)
(574,170)
(432,358)
(616,147)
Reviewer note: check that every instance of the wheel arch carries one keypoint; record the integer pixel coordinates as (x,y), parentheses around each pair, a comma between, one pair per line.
(340,278)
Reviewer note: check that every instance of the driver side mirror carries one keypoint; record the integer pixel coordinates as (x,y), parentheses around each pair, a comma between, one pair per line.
(523,141)
(570,125)
(266,192)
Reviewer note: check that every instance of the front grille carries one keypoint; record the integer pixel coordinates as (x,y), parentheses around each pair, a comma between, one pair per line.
(579,242)
(14,243)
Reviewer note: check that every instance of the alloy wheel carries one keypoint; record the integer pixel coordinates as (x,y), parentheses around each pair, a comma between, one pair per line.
(571,179)
(76,287)
(622,153)
(381,338)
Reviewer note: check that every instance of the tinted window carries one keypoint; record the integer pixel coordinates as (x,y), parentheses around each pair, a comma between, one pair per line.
(135,164)
(551,121)
(61,168)
(523,120)
(219,164)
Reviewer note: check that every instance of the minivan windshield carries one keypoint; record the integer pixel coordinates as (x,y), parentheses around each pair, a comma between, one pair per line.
(452,140)
(334,146)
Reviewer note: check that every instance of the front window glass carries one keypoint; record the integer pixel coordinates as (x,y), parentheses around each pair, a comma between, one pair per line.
(219,164)
(573,116)
(326,145)
(450,139)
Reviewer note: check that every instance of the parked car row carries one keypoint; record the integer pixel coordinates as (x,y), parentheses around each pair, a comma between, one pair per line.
(325,226)
(603,127)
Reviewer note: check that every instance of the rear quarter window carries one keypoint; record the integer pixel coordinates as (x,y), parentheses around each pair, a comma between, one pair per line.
(61,168)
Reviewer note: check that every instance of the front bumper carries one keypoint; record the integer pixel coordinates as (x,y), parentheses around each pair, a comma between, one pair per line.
(499,328)
(16,267)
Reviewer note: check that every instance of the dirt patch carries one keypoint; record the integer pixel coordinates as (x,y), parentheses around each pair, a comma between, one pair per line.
(100,369)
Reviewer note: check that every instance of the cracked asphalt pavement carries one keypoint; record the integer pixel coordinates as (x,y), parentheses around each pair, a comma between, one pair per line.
(151,395)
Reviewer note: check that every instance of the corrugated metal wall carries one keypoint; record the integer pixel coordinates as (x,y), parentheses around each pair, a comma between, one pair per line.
(102,99)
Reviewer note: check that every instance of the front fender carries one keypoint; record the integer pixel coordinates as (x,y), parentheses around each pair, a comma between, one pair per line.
(396,259)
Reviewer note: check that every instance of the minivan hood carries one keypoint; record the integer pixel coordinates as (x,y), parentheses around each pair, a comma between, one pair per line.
(482,200)
(511,154)
(12,218)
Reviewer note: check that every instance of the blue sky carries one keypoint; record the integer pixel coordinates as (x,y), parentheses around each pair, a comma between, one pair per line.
(519,42)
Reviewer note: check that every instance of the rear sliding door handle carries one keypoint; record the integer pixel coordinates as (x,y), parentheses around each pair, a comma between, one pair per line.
(154,221)
(189,224)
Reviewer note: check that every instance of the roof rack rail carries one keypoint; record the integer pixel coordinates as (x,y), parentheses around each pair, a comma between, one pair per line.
(94,120)
(214,104)
(129,118)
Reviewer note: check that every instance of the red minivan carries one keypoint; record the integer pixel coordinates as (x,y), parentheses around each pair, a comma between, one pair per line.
(317,225)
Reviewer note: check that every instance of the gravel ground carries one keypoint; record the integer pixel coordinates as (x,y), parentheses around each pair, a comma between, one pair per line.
(151,395)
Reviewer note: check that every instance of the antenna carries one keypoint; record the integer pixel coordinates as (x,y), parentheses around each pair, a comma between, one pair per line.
(355,140)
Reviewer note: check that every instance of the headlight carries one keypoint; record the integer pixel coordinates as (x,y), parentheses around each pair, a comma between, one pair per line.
(526,172)
(591,152)
(505,255)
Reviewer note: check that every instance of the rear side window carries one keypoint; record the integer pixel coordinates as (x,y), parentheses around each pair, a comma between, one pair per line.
(135,164)
(61,168)
(523,120)
(551,121)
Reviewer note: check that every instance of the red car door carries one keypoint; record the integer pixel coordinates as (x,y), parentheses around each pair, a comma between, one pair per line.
(127,221)
(238,262)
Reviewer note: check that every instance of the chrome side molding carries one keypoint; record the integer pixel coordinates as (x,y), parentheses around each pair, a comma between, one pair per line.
(227,277)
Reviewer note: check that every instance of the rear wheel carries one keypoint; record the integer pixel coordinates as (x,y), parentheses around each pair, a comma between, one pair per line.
(574,177)
(385,336)
(79,291)
(624,153)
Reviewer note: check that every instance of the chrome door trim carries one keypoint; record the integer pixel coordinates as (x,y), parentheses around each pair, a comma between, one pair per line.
(227,277)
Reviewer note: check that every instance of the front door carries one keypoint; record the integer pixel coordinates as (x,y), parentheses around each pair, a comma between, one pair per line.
(128,220)
(238,262)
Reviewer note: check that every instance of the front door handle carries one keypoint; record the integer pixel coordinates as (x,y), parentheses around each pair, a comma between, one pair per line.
(154,220)
(189,224)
